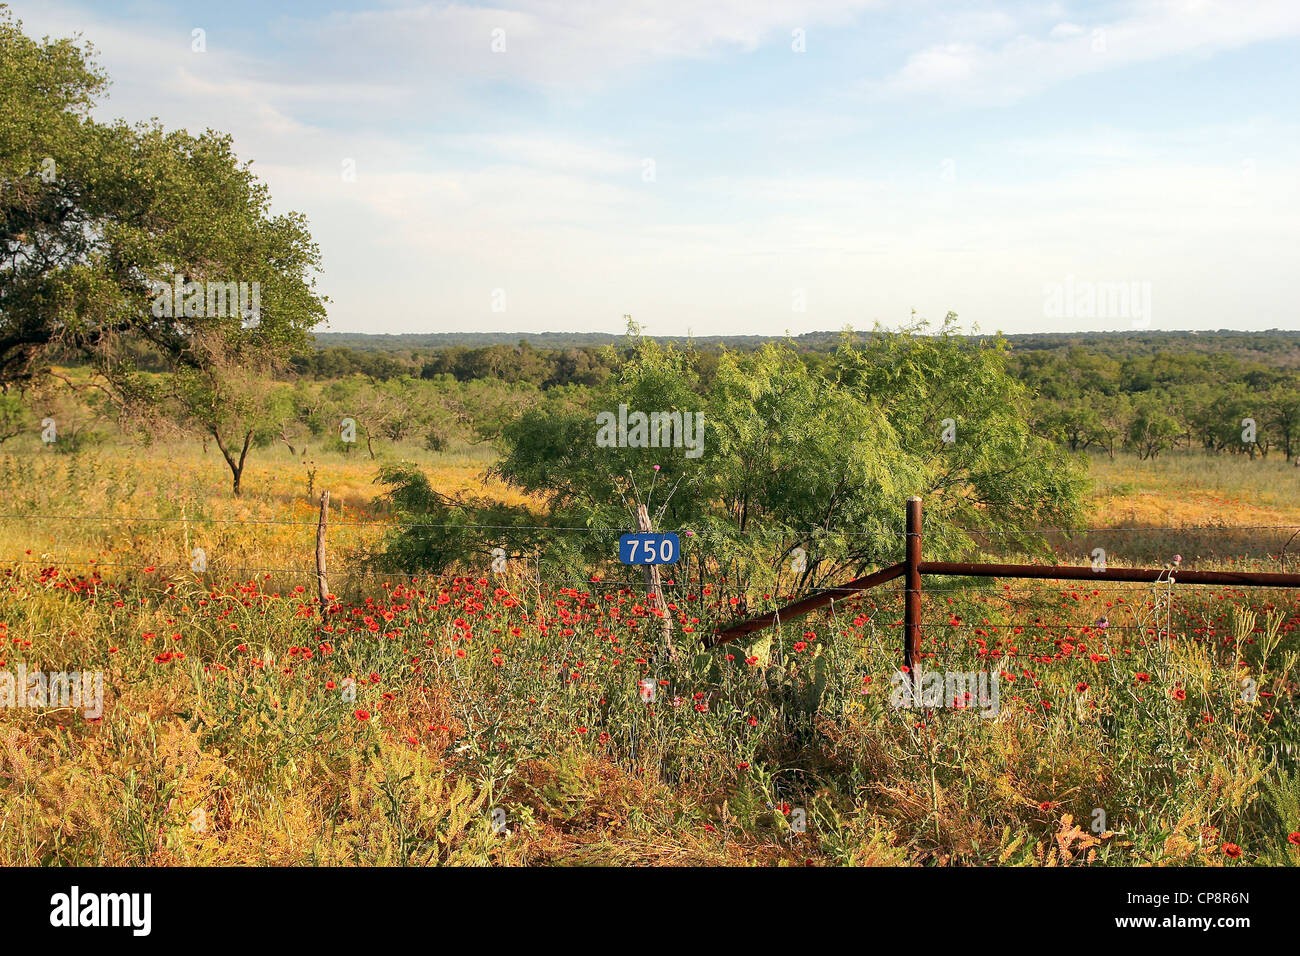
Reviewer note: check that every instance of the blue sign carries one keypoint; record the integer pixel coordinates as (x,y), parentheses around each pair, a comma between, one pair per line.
(649,548)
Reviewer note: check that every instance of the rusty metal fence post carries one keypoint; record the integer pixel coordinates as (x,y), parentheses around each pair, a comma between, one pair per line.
(912,569)
(912,587)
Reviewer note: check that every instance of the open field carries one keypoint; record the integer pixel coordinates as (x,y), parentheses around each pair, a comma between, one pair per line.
(498,718)
(1201,496)
(1191,488)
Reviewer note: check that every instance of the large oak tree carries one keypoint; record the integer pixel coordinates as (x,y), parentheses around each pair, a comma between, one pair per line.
(93,215)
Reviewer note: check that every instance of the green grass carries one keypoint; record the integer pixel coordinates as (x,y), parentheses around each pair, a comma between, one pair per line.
(240,741)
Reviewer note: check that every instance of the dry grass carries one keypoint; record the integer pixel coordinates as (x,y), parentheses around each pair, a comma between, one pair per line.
(232,742)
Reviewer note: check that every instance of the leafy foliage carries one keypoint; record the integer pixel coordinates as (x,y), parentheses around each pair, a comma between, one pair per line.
(793,457)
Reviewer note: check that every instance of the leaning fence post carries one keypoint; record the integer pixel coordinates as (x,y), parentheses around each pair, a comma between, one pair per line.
(912,587)
(322,587)
(654,585)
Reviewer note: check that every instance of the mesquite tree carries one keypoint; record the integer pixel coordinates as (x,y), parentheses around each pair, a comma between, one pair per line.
(802,467)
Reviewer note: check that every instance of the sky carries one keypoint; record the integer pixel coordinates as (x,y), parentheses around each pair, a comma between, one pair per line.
(749,166)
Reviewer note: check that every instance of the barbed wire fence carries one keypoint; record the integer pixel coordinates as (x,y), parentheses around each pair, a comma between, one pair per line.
(703,547)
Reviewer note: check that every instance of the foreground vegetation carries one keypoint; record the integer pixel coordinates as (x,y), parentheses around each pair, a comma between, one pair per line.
(498,718)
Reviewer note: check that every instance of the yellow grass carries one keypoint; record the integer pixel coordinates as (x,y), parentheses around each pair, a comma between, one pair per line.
(1190,488)
(285,774)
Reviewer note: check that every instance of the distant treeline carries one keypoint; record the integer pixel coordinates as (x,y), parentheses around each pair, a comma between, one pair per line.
(544,368)
(1278,343)
(1144,392)
(426,341)
(1148,403)
(561,358)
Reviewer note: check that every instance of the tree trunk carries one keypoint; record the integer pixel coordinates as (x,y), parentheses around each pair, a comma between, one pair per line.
(236,466)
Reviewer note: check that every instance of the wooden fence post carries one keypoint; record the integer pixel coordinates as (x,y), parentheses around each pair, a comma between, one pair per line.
(654,584)
(322,586)
(912,586)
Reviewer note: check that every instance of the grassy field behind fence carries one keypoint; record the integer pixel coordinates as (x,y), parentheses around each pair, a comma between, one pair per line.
(495,718)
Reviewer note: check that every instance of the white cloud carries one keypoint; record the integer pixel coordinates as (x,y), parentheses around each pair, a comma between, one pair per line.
(565,42)
(1002,72)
